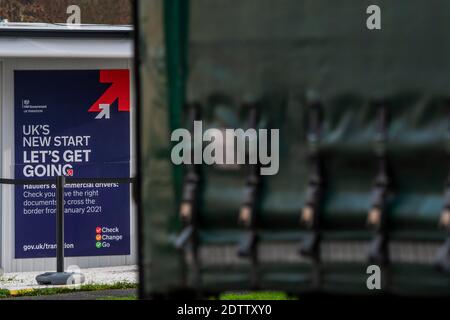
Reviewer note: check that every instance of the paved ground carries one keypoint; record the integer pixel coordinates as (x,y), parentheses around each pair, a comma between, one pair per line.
(109,275)
(89,295)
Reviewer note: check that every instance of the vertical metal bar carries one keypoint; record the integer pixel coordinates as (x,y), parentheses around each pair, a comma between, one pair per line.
(60,181)
(136,188)
(176,26)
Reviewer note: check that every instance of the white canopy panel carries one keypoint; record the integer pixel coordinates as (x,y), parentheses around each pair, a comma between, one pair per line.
(65,48)
(41,40)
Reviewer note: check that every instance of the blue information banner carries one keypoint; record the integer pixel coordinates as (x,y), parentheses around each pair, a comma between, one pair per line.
(74,123)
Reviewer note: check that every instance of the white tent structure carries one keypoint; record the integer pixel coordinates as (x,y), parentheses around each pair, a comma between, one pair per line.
(40,40)
(29,46)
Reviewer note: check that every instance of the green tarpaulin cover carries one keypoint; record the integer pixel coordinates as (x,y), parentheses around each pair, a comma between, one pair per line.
(279,52)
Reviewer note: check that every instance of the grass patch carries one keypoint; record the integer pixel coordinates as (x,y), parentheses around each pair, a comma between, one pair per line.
(62,290)
(4,293)
(227,296)
(118,298)
(255,296)
(264,295)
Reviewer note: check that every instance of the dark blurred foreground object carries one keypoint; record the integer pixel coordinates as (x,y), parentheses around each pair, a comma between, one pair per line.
(364,122)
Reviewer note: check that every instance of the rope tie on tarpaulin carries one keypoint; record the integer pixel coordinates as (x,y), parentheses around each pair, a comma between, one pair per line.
(249,211)
(188,240)
(311,212)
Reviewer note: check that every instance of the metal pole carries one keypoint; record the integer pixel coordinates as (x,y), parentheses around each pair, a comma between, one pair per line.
(60,181)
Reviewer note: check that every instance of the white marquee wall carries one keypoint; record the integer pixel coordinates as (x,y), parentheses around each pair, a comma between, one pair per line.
(7,66)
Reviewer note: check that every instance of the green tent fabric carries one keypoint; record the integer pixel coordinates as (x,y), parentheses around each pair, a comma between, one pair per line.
(217,53)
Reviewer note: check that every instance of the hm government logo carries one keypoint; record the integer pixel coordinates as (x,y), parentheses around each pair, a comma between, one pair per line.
(29,107)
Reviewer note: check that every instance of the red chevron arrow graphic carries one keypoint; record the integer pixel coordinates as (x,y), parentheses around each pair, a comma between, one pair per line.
(119,90)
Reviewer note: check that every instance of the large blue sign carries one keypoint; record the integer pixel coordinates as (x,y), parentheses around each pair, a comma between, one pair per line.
(74,123)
